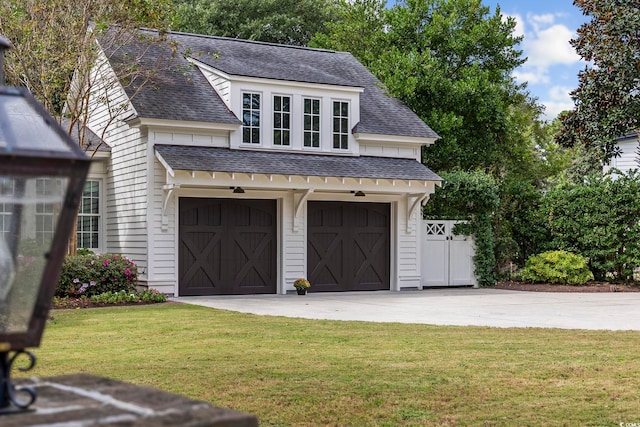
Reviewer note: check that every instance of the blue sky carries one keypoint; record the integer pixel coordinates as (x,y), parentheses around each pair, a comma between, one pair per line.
(552,66)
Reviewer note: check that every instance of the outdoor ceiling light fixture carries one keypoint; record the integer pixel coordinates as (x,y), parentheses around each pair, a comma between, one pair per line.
(359,193)
(238,190)
(42,175)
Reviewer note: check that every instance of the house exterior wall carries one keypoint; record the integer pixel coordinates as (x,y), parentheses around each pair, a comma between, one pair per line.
(180,137)
(142,192)
(407,247)
(127,198)
(220,83)
(125,184)
(292,195)
(628,159)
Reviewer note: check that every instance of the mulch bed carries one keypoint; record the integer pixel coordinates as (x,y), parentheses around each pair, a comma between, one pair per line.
(548,287)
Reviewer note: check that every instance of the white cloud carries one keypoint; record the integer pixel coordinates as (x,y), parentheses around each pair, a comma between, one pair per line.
(531,77)
(558,101)
(541,20)
(550,47)
(545,44)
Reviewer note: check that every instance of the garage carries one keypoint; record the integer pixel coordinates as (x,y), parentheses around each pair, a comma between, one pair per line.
(348,246)
(227,246)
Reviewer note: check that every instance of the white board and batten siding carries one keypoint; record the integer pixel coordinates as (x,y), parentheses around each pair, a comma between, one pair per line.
(447,259)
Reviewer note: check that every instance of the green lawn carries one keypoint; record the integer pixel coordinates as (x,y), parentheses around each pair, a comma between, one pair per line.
(309,372)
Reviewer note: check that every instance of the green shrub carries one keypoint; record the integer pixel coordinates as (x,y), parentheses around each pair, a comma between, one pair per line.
(598,219)
(148,296)
(122,297)
(557,267)
(89,275)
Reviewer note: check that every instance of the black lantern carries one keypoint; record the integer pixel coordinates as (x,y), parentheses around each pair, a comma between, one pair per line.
(42,175)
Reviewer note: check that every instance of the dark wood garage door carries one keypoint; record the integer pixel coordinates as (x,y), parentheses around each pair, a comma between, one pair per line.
(348,246)
(227,246)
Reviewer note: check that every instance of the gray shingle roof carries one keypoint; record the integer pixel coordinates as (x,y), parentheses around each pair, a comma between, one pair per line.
(213,159)
(178,91)
(91,140)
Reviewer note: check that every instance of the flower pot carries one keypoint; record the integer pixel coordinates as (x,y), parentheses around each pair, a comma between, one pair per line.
(301,291)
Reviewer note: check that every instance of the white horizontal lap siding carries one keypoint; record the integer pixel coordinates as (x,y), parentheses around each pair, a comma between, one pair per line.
(221,84)
(127,199)
(163,273)
(125,203)
(628,156)
(108,104)
(408,249)
(293,245)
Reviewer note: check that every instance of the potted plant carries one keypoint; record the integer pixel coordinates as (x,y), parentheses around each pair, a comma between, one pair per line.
(302,285)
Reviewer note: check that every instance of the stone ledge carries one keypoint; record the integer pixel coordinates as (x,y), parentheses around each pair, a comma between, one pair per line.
(81,400)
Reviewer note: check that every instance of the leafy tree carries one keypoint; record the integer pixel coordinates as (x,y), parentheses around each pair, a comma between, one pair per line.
(55,52)
(52,39)
(291,22)
(360,31)
(607,100)
(450,61)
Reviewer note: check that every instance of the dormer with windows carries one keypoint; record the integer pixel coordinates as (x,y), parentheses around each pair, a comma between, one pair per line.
(289,116)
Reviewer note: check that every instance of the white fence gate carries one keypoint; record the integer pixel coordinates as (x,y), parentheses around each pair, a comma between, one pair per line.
(447,259)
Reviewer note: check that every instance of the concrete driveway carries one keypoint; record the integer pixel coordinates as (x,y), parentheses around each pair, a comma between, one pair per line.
(456,306)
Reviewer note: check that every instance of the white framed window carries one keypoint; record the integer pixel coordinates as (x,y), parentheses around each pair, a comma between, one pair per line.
(7,188)
(251,118)
(88,230)
(340,126)
(46,212)
(281,120)
(311,122)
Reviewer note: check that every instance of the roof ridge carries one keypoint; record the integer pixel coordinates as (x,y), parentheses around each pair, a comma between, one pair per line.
(239,40)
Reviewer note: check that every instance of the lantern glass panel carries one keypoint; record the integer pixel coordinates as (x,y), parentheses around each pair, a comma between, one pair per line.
(29,211)
(23,127)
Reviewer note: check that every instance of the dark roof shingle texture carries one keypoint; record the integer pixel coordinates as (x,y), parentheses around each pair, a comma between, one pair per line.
(213,159)
(179,91)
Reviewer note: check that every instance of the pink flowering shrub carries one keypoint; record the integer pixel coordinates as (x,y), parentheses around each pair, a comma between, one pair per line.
(88,275)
